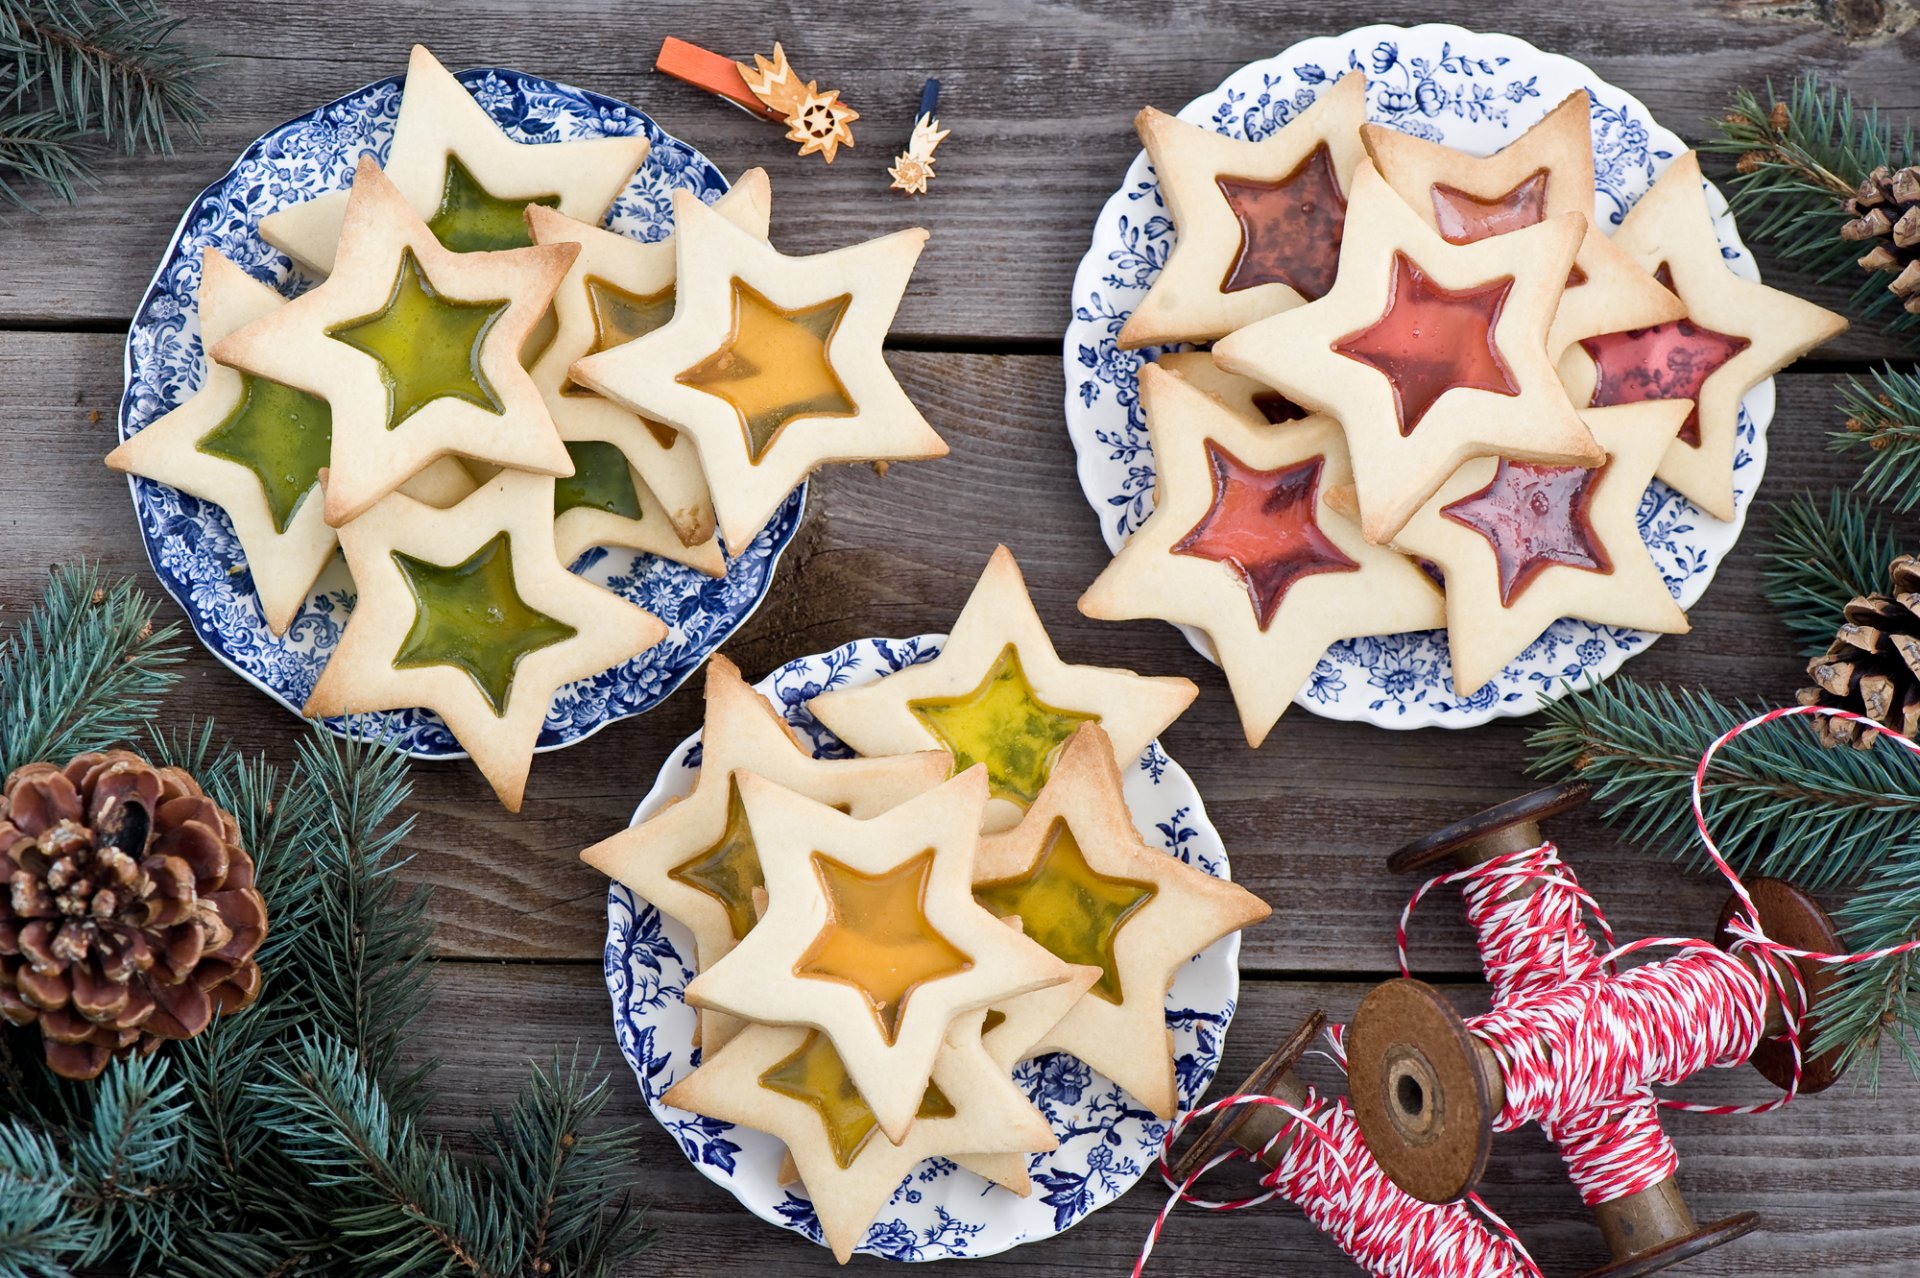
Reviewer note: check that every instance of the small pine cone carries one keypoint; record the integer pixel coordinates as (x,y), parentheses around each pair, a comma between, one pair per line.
(1873,665)
(1885,215)
(131,914)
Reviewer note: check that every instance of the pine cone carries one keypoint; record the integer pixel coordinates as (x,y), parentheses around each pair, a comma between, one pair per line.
(1873,667)
(1886,213)
(132,915)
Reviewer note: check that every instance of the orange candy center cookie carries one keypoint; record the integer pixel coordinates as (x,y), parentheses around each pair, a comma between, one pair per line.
(1431,340)
(1535,516)
(1262,524)
(1069,907)
(775,366)
(878,938)
(1289,230)
(1667,361)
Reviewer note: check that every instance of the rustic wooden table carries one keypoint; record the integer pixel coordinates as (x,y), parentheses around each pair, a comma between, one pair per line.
(1040,97)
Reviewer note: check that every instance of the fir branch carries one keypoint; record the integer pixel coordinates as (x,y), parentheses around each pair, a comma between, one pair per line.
(1779,804)
(1883,417)
(40,146)
(41,1232)
(84,670)
(1798,158)
(111,67)
(1817,560)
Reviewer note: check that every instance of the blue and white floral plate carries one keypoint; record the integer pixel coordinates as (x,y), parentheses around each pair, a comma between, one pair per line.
(1106,1142)
(1469,90)
(191,543)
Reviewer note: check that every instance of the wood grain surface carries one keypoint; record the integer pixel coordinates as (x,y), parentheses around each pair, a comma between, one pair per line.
(1040,96)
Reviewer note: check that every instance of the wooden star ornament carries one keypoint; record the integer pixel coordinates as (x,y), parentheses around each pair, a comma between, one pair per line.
(619,289)
(1243,545)
(1522,546)
(999,694)
(1258,225)
(458,171)
(468,612)
(1736,334)
(1544,173)
(1428,354)
(415,348)
(696,859)
(771,365)
(871,935)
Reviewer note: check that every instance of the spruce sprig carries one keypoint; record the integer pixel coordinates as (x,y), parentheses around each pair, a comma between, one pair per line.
(1779,804)
(1883,420)
(1797,159)
(1818,559)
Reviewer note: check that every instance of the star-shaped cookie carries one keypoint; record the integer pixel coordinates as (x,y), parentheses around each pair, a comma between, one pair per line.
(1429,354)
(469,613)
(788,1081)
(465,177)
(619,289)
(1257,224)
(695,859)
(605,502)
(415,348)
(1522,546)
(1077,875)
(1544,173)
(1736,334)
(999,694)
(871,934)
(771,365)
(1241,544)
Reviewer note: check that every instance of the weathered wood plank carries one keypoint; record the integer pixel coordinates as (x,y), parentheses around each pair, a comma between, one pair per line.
(1040,98)
(1307,819)
(1832,1175)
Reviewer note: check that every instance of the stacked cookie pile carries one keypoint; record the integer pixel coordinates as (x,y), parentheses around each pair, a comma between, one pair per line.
(484,383)
(881,939)
(1436,395)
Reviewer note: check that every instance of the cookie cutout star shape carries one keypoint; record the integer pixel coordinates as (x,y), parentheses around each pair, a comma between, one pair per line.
(696,858)
(1082,883)
(1736,334)
(789,1082)
(1428,354)
(1243,545)
(416,350)
(1544,173)
(871,935)
(466,178)
(619,289)
(999,694)
(1257,224)
(771,365)
(468,613)
(1522,546)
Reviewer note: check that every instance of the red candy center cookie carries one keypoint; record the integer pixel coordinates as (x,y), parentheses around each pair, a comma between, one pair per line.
(1466,219)
(1667,361)
(1433,339)
(1289,230)
(1534,516)
(1262,524)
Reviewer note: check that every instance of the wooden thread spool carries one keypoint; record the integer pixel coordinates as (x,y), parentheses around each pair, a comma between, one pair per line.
(1426,1091)
(1255,1127)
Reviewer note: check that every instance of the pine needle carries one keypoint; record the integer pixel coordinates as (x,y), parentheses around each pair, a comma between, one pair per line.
(1883,418)
(1817,560)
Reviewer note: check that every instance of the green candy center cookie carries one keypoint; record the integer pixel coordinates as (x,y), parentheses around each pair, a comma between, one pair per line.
(1003,725)
(730,870)
(282,435)
(601,480)
(428,347)
(471,219)
(816,1075)
(470,616)
(1069,907)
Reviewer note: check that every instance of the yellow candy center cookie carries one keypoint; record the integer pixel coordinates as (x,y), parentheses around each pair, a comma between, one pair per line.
(816,1074)
(1070,908)
(877,938)
(284,436)
(427,346)
(729,871)
(775,366)
(470,616)
(472,219)
(1004,725)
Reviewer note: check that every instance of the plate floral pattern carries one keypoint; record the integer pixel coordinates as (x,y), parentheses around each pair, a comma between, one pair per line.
(191,543)
(1106,1142)
(1469,90)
